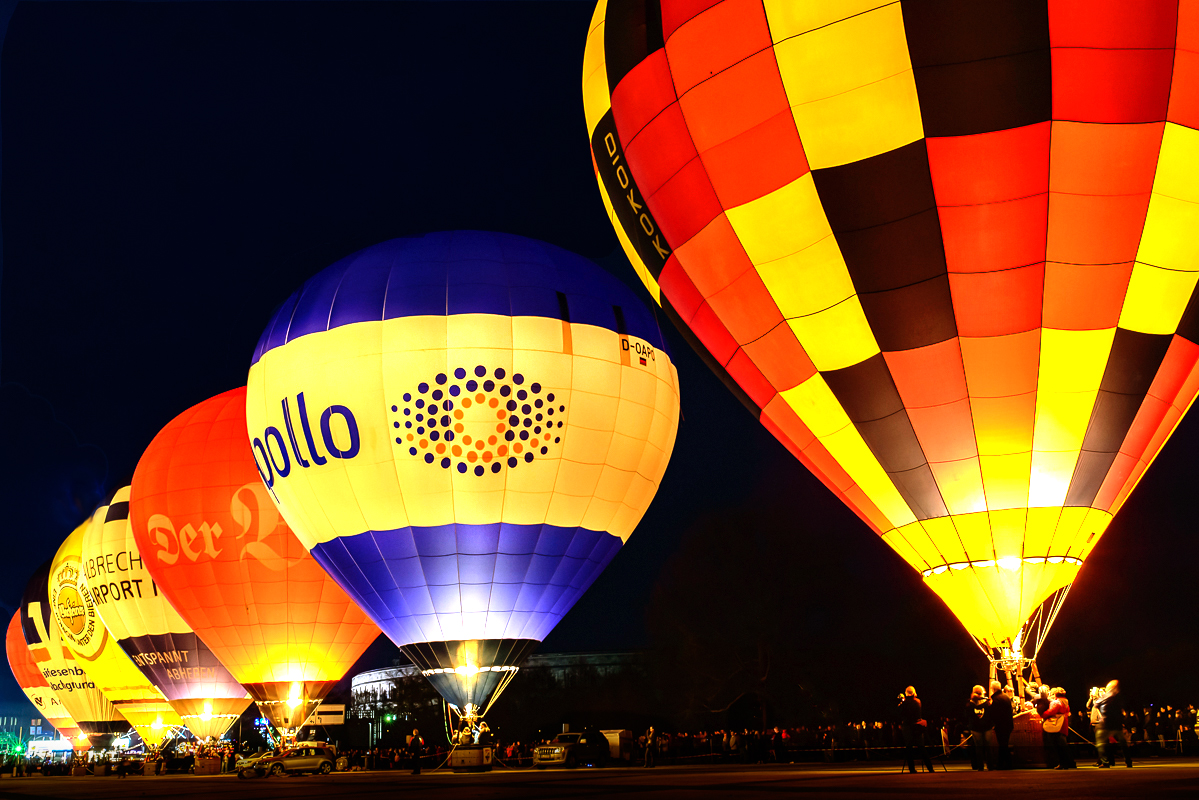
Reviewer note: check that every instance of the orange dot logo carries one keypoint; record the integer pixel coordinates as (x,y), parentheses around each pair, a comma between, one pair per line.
(479,421)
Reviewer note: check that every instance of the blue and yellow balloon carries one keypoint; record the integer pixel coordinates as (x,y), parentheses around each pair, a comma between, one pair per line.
(463,429)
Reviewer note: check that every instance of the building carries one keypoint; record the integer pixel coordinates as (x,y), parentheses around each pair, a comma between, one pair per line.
(397,693)
(20,722)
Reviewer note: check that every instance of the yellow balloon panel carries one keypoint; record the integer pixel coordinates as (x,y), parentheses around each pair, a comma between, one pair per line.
(82,630)
(993,569)
(618,420)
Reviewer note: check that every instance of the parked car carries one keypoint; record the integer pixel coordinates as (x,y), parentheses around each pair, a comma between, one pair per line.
(247,765)
(573,749)
(298,759)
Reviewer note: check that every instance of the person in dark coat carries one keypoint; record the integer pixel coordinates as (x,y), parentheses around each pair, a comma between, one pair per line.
(779,745)
(1111,723)
(976,723)
(651,746)
(1042,700)
(911,718)
(1001,718)
(416,748)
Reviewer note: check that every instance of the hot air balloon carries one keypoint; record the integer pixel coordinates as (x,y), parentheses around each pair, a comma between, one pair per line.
(83,632)
(98,720)
(151,632)
(463,428)
(217,548)
(34,685)
(944,252)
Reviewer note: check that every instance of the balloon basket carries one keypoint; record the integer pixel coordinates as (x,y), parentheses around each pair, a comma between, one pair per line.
(471,758)
(208,766)
(1027,743)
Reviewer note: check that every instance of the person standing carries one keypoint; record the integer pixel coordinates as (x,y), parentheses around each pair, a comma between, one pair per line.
(779,745)
(416,749)
(1000,718)
(1110,705)
(1188,727)
(913,724)
(651,746)
(1055,728)
(977,725)
(1042,700)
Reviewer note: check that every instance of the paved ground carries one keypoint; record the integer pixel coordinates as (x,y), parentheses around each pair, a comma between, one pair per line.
(1166,778)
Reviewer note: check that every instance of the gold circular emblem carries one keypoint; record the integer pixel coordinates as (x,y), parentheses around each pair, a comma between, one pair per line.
(71,609)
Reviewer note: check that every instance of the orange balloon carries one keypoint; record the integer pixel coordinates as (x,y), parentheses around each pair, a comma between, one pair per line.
(217,548)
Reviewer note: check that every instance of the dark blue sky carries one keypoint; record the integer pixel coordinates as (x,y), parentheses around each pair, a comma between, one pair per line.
(173,171)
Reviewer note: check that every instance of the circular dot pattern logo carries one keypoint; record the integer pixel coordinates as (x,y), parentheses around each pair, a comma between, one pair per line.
(478,420)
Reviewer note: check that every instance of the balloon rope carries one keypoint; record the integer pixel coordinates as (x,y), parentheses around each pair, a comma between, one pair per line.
(449,723)
(503,685)
(1055,607)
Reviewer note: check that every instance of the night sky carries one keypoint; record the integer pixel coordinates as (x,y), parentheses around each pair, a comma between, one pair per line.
(173,171)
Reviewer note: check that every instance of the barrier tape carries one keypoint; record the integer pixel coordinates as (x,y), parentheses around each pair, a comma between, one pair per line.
(1169,743)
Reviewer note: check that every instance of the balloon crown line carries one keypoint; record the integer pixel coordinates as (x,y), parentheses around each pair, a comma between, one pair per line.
(478,421)
(1010,563)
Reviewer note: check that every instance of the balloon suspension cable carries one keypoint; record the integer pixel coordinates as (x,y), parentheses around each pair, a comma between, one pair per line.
(449,722)
(1011,656)
(1046,614)
(507,679)
(449,732)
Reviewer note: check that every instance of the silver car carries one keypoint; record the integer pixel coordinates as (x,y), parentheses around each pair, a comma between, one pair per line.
(573,749)
(250,761)
(301,758)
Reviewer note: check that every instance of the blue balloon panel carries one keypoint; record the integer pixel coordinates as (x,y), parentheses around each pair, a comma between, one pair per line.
(499,581)
(459,272)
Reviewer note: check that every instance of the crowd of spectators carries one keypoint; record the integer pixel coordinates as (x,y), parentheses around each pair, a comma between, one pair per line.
(393,757)
(1151,730)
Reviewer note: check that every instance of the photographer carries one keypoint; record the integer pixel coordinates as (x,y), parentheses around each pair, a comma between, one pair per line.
(913,725)
(1110,708)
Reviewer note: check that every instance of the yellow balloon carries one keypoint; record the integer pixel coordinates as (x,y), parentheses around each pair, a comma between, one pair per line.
(463,429)
(83,632)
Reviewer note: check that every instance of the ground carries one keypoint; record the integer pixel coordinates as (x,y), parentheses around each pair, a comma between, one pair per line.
(1172,778)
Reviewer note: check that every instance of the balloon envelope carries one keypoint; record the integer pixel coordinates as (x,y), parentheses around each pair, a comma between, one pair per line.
(218,549)
(463,428)
(944,251)
(151,632)
(82,630)
(33,683)
(96,716)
